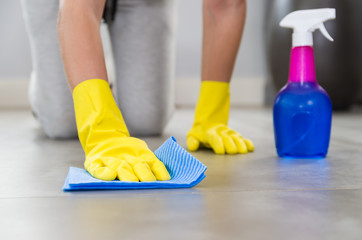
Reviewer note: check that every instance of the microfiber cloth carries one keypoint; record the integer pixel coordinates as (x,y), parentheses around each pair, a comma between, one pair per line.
(185,170)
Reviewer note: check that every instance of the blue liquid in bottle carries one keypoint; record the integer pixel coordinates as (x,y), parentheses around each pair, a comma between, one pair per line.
(302,120)
(302,111)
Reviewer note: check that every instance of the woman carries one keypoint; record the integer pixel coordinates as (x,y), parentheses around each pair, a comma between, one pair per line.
(142,38)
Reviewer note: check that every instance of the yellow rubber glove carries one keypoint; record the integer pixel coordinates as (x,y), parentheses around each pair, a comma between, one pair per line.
(110,152)
(210,128)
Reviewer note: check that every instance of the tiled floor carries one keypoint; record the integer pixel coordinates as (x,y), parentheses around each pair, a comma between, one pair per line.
(253,196)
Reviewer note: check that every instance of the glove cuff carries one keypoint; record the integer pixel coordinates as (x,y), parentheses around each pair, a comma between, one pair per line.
(97,114)
(213,105)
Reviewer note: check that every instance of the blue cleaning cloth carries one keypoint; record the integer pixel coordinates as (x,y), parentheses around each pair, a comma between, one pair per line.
(185,170)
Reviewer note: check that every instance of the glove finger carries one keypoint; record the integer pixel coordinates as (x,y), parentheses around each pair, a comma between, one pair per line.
(216,143)
(125,172)
(240,144)
(158,168)
(143,171)
(98,170)
(249,145)
(229,144)
(193,144)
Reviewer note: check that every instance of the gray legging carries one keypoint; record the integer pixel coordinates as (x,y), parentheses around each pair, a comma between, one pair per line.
(142,36)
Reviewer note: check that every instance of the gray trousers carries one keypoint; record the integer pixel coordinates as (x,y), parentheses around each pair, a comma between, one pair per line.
(142,38)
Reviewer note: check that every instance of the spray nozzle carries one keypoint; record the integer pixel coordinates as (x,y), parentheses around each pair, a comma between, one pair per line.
(305,22)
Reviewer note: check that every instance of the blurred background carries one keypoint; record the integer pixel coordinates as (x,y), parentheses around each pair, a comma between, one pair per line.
(262,64)
(249,76)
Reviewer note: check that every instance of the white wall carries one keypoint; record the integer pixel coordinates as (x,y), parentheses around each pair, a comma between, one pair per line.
(249,75)
(15,59)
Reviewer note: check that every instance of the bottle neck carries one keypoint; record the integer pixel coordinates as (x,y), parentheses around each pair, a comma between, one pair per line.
(302,68)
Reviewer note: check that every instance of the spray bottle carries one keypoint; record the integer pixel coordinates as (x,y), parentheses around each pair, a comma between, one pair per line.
(302,109)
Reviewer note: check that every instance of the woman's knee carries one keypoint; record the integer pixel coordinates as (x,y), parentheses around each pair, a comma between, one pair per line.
(148,123)
(60,130)
(56,119)
(59,126)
